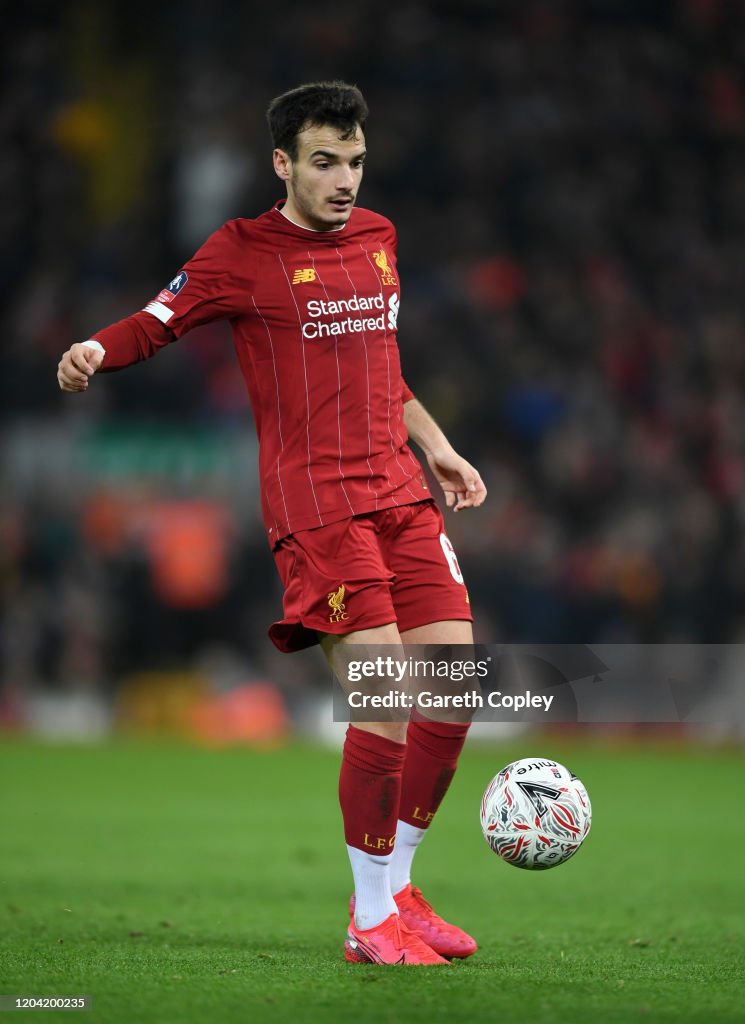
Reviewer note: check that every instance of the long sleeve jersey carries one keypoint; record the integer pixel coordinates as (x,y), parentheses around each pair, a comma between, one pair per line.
(313,316)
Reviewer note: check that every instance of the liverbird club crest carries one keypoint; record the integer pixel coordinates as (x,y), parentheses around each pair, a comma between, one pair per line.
(386,274)
(337,606)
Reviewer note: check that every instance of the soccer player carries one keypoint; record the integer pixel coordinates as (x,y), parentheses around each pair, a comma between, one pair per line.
(312,294)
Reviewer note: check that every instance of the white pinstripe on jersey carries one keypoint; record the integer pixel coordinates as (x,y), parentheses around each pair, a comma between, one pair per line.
(279,417)
(388,363)
(307,394)
(338,384)
(367,381)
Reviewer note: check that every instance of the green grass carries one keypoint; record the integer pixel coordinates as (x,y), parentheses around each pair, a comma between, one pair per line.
(181,885)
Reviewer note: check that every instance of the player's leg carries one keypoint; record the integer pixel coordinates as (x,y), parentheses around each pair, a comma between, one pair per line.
(432,752)
(338,591)
(369,794)
(432,608)
(370,789)
(433,748)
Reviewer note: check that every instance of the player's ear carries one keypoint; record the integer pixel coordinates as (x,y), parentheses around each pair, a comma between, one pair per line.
(282,164)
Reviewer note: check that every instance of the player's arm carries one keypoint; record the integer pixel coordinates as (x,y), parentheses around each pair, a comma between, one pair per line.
(212,286)
(461,483)
(129,341)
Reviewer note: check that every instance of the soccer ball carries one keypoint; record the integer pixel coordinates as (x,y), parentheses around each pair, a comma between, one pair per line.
(535,813)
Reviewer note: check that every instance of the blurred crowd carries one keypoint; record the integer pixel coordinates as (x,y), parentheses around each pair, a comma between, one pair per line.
(568,184)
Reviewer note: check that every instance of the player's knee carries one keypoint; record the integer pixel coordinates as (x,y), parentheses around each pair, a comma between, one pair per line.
(395,731)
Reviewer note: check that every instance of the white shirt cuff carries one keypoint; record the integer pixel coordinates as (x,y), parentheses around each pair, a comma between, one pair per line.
(92,343)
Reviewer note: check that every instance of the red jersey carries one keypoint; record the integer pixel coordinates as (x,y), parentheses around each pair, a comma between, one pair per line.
(313,316)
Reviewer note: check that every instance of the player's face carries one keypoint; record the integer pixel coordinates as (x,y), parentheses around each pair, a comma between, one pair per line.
(322,182)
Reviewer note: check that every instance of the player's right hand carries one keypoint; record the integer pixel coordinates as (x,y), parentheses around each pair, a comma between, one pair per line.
(77,365)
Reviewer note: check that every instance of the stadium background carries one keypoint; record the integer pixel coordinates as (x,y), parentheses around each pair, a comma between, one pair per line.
(568,183)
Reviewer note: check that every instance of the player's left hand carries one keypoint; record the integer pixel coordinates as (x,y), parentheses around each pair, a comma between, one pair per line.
(461,483)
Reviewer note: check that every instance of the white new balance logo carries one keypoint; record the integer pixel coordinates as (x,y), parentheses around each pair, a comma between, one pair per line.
(393,304)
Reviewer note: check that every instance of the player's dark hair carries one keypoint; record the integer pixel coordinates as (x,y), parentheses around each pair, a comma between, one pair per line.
(336,104)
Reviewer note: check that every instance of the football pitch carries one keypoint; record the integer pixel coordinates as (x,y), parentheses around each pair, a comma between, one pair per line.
(174,884)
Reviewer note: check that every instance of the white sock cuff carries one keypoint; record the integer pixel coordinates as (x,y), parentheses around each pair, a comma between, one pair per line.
(407,833)
(372,861)
(372,886)
(408,838)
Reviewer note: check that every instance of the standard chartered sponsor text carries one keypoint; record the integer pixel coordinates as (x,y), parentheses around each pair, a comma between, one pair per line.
(320,328)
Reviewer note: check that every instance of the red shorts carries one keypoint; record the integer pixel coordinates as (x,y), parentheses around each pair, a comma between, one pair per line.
(394,565)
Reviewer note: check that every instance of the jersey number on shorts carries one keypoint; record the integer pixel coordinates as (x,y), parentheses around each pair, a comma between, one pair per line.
(449,553)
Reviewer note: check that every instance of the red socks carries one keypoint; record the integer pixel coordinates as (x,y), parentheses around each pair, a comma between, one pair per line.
(382,781)
(432,752)
(370,790)
(389,793)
